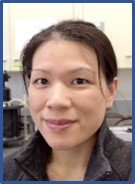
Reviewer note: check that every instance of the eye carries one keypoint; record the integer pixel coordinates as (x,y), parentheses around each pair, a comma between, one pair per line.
(80,81)
(41,82)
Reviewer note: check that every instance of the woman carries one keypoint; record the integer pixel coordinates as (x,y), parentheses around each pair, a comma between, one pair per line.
(70,74)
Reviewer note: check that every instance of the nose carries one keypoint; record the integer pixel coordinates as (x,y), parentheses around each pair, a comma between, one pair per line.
(59,97)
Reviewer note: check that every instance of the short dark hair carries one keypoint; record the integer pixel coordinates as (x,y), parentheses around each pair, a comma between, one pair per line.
(78,31)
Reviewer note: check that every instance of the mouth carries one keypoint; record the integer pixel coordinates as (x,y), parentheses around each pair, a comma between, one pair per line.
(59,125)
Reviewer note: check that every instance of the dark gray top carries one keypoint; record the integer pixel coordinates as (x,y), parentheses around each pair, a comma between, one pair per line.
(110,159)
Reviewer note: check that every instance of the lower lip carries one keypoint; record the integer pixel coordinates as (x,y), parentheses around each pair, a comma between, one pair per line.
(59,127)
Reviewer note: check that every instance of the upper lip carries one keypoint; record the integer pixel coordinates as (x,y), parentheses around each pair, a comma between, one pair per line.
(59,121)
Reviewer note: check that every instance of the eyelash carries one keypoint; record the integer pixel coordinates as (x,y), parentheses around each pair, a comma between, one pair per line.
(80,81)
(38,82)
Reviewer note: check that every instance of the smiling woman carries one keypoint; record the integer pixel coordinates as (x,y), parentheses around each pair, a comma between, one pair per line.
(70,74)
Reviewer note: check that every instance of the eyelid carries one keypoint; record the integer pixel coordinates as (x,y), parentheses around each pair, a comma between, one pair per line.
(86,81)
(40,80)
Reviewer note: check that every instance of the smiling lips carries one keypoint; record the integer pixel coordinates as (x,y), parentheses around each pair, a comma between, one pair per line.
(59,125)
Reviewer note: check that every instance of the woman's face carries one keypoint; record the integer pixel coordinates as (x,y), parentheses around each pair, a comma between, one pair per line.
(64,94)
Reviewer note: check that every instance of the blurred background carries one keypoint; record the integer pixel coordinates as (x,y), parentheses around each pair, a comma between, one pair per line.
(22,20)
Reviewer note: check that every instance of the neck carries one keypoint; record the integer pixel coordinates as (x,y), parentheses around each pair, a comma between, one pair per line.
(71,156)
(72,160)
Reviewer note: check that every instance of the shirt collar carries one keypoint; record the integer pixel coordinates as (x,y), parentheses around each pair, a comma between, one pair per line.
(33,158)
(98,164)
(36,154)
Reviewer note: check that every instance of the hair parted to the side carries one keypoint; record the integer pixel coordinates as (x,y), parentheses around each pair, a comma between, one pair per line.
(78,31)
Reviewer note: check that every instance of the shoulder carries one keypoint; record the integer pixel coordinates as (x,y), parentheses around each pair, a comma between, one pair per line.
(11,169)
(23,164)
(119,154)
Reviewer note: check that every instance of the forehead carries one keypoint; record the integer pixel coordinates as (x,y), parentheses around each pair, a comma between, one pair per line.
(63,54)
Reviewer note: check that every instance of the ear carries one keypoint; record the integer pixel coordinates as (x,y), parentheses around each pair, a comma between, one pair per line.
(111,92)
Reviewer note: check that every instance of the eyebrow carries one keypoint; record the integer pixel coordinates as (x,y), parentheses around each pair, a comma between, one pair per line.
(40,70)
(74,70)
(82,69)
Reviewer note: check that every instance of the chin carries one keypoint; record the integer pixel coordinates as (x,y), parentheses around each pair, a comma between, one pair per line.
(60,146)
(58,143)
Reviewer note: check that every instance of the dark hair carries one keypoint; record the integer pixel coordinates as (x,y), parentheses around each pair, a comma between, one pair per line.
(79,31)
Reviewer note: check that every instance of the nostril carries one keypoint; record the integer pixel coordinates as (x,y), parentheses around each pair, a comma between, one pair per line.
(49,107)
(58,98)
(57,106)
(61,104)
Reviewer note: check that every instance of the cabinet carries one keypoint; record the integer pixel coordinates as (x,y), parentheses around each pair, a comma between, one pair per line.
(6,39)
(22,16)
(117,19)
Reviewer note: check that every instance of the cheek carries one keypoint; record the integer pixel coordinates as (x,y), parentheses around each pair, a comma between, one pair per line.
(36,104)
(91,108)
(91,111)
(91,100)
